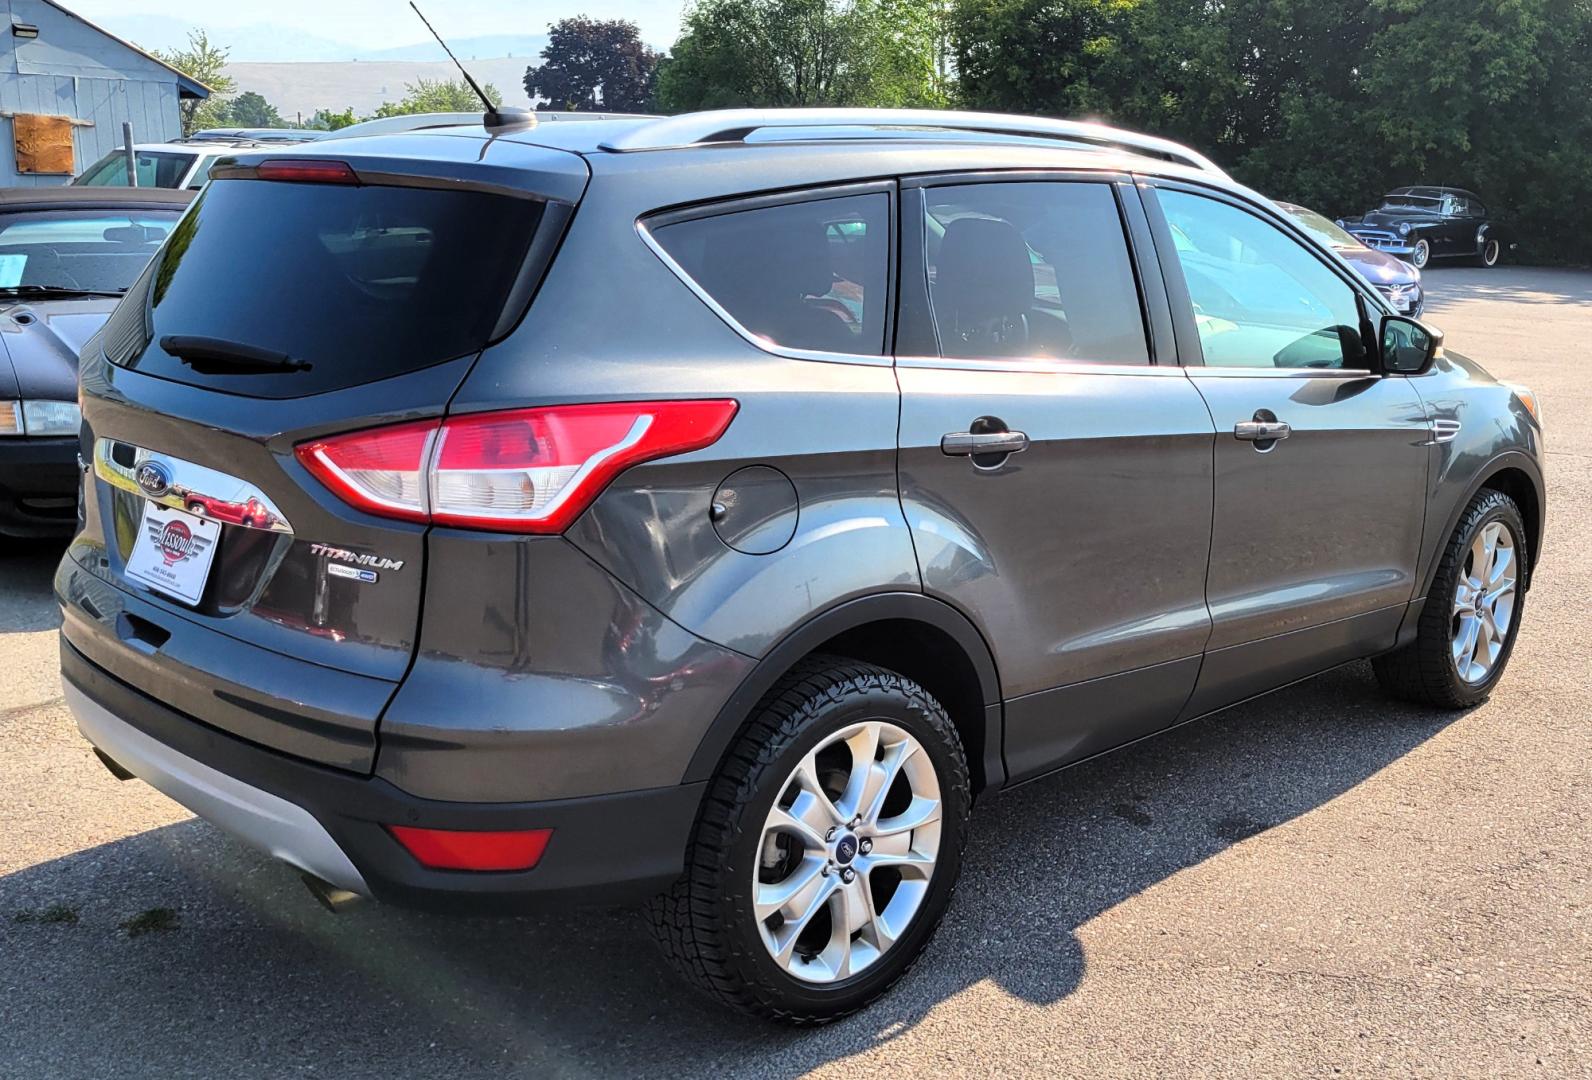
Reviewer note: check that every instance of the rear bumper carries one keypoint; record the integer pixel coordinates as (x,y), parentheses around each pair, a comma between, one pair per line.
(38,486)
(604,849)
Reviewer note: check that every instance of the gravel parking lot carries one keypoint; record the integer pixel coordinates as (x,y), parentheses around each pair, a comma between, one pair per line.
(1317,883)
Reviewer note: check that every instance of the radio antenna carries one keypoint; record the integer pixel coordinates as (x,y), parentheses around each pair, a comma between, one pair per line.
(495,117)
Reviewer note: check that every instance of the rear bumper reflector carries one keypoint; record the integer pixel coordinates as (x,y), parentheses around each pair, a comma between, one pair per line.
(452,849)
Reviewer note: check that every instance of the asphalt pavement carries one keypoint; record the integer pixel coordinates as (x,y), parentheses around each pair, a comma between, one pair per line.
(1318,883)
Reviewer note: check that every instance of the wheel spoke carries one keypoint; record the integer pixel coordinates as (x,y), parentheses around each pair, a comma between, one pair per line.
(1465,644)
(822,808)
(1503,558)
(911,863)
(876,931)
(805,819)
(794,893)
(864,776)
(895,759)
(792,929)
(920,812)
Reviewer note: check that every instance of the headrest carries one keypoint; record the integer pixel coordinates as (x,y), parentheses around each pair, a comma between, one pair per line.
(984,272)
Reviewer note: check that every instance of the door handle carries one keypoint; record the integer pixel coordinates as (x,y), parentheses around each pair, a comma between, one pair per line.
(1261,430)
(968,443)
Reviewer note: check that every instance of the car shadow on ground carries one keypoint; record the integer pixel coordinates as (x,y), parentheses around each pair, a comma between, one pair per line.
(27,571)
(249,974)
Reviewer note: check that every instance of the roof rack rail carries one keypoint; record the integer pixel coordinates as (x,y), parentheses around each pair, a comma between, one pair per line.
(733,125)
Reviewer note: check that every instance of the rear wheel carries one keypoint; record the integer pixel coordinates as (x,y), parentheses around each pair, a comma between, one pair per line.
(1491,250)
(1472,614)
(827,848)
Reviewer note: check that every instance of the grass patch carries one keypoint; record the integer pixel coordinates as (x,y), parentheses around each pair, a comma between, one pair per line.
(155,920)
(55,914)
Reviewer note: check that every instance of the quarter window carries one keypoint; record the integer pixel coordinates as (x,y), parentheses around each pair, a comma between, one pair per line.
(808,275)
(1035,269)
(1261,299)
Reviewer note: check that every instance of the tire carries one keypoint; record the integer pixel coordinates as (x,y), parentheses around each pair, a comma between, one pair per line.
(707,924)
(1491,252)
(1426,670)
(1421,255)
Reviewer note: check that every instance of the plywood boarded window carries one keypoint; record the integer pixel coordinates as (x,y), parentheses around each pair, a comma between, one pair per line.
(44,143)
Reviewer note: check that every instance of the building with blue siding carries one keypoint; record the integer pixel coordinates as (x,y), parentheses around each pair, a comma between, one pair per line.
(55,63)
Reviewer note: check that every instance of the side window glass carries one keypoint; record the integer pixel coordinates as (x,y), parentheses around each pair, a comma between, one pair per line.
(808,275)
(1261,299)
(1032,270)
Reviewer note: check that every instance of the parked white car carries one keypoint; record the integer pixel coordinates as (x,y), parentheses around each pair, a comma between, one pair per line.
(185,163)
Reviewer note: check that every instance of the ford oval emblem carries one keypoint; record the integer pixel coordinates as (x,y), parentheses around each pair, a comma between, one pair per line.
(153,478)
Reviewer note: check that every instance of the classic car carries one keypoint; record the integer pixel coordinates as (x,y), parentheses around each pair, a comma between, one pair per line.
(67,255)
(1392,277)
(1420,224)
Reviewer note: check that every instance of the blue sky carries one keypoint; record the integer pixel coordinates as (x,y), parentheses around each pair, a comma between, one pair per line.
(377,24)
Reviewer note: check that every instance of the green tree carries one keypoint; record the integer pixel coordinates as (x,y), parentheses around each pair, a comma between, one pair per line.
(438,95)
(203,62)
(250,109)
(326,120)
(803,53)
(594,64)
(1322,102)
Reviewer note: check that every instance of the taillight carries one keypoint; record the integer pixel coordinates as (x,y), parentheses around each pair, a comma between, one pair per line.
(525,470)
(382,470)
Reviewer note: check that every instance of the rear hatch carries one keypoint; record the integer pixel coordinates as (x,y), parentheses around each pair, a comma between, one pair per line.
(302,296)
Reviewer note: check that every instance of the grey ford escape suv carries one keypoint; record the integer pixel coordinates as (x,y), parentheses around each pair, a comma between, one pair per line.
(706,510)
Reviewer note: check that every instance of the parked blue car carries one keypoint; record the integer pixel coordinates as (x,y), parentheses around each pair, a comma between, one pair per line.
(1393,277)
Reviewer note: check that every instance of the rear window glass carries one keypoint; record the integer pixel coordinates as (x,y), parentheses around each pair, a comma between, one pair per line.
(357,283)
(808,275)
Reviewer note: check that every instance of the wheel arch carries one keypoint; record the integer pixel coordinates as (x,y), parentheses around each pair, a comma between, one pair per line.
(1516,475)
(925,639)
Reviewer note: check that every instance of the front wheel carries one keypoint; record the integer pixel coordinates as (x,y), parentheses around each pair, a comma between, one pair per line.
(1421,255)
(827,848)
(1472,614)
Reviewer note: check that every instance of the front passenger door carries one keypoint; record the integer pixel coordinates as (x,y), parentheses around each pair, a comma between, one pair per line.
(1320,463)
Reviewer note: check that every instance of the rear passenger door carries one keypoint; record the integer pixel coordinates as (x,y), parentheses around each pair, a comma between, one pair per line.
(1056,477)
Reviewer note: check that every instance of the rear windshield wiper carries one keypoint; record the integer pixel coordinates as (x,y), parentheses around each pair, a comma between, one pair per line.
(212,356)
(55,290)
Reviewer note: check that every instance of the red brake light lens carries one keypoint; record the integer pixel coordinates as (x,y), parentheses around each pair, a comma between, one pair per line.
(307,170)
(524,470)
(450,849)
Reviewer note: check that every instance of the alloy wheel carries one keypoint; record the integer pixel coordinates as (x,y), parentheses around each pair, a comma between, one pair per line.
(1484,602)
(847,851)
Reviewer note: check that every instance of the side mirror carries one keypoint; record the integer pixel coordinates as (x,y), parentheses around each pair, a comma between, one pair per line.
(1408,347)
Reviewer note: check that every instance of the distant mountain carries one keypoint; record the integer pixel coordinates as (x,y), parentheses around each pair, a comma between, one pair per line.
(256,41)
(489,45)
(365,85)
(273,43)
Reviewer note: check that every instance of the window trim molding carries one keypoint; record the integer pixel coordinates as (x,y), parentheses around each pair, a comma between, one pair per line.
(720,208)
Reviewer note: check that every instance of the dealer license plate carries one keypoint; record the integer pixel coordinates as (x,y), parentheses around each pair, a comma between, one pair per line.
(173,552)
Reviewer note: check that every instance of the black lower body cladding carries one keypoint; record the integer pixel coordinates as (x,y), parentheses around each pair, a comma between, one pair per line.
(616,848)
